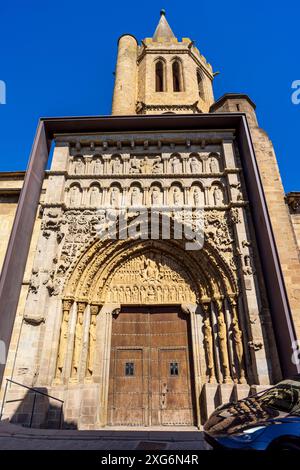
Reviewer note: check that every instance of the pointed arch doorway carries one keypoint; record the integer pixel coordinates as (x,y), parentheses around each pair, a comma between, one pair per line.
(151,379)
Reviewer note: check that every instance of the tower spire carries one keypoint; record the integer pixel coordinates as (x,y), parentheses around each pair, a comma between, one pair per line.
(163,31)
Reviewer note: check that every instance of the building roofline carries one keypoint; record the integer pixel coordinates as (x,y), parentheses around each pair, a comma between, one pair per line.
(235,96)
(18,174)
(127,34)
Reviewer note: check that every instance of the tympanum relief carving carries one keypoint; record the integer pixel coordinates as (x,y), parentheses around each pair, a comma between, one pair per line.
(150,279)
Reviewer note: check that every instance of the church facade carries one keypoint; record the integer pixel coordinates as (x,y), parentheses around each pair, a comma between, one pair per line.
(134,330)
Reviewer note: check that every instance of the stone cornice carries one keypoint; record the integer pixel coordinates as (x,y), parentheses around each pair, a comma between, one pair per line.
(142,107)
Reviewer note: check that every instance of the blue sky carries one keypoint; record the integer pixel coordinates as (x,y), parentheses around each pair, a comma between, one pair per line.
(57,59)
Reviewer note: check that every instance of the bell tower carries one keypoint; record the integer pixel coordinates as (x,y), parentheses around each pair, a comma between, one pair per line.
(161,75)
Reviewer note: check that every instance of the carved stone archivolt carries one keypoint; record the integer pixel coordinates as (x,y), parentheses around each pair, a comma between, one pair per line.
(148,272)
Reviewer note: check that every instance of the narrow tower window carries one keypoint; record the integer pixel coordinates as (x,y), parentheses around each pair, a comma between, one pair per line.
(159,76)
(200,84)
(177,86)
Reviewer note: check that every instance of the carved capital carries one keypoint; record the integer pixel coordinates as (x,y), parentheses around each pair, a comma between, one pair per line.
(81,307)
(189,308)
(232,301)
(206,307)
(219,305)
(66,305)
(94,309)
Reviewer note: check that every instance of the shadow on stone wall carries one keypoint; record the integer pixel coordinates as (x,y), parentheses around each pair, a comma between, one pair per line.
(35,410)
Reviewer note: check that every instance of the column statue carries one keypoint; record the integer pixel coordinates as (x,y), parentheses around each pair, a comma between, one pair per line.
(63,339)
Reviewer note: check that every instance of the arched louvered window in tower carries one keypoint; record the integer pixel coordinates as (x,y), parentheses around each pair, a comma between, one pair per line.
(200,84)
(159,76)
(177,76)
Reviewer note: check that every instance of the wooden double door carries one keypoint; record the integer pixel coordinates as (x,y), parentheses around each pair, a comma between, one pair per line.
(151,375)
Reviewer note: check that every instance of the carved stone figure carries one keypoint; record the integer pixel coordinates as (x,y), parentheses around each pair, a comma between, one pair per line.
(156,196)
(239,349)
(136,196)
(78,167)
(94,196)
(154,277)
(135,166)
(92,339)
(116,166)
(146,165)
(195,165)
(213,165)
(151,272)
(114,196)
(74,196)
(218,196)
(177,196)
(63,339)
(78,340)
(198,197)
(157,166)
(208,344)
(236,192)
(97,167)
(222,337)
(176,165)
(247,265)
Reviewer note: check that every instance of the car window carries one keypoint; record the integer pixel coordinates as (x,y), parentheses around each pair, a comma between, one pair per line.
(284,398)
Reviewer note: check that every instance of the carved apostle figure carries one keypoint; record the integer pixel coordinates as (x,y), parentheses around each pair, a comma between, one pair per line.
(176,165)
(79,167)
(238,344)
(177,196)
(114,196)
(63,339)
(198,197)
(94,196)
(157,166)
(116,166)
(195,165)
(218,196)
(155,196)
(74,196)
(97,167)
(92,340)
(222,336)
(77,341)
(213,165)
(136,196)
(208,344)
